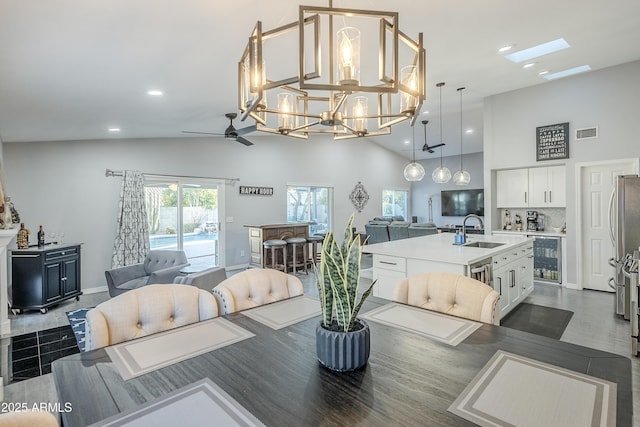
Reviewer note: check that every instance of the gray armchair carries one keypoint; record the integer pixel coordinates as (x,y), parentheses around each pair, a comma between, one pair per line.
(160,266)
(398,230)
(422,229)
(205,279)
(376,233)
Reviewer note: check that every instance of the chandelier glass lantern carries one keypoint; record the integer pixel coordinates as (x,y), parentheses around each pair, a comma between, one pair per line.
(357,79)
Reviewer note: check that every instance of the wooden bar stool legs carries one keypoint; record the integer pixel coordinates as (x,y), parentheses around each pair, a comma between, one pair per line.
(295,243)
(314,241)
(277,246)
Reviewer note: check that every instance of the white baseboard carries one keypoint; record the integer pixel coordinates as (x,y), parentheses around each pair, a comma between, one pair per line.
(237,267)
(572,286)
(95,290)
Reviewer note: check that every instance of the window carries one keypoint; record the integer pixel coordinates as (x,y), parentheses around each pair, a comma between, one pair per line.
(183,215)
(394,203)
(312,205)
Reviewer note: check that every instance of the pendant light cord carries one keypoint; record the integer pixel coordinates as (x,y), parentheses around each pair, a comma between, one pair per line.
(460,90)
(440,86)
(413,131)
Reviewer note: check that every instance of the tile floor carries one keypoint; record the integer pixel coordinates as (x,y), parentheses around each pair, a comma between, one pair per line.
(593,324)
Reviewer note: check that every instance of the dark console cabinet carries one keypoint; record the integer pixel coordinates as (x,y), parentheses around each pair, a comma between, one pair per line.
(44,277)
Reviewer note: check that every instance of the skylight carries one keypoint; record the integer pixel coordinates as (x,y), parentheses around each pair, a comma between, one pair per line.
(539,50)
(569,72)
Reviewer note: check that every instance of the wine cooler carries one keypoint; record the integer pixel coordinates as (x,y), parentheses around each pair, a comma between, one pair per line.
(547,259)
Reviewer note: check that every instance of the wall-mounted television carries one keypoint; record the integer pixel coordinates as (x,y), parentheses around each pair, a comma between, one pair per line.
(462,202)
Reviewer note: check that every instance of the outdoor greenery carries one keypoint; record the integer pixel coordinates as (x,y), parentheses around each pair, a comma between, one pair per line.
(338,279)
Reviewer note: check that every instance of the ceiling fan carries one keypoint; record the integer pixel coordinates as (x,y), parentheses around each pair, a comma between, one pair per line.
(231,132)
(427,147)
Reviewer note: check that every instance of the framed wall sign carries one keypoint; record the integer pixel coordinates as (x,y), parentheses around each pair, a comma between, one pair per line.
(552,142)
(256,191)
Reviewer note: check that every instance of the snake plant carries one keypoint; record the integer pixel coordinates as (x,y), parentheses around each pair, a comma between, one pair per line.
(338,279)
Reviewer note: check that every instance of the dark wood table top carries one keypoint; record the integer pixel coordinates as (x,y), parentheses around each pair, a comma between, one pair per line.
(409,380)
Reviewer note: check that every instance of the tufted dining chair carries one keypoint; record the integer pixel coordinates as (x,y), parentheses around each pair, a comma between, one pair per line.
(28,419)
(145,311)
(450,293)
(255,287)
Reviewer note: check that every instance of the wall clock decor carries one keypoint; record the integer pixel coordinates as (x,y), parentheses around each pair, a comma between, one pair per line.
(359,196)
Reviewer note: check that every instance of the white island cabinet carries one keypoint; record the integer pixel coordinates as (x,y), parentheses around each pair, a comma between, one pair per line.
(511,262)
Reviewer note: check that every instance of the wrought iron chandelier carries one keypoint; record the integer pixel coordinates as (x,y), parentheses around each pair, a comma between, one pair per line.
(343,82)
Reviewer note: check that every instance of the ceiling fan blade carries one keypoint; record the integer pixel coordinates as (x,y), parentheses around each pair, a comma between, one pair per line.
(246,130)
(244,141)
(437,145)
(202,133)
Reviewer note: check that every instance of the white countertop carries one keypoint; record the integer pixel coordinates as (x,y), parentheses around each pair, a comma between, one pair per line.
(528,233)
(440,248)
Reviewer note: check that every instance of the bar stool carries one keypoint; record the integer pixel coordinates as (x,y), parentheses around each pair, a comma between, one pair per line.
(295,243)
(276,246)
(313,241)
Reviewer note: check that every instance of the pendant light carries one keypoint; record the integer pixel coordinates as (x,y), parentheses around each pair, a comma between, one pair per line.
(462,177)
(441,175)
(414,170)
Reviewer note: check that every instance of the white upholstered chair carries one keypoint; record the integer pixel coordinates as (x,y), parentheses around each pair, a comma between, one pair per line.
(145,311)
(451,294)
(255,287)
(28,419)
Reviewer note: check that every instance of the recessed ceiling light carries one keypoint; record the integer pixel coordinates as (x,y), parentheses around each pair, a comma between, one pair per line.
(155,92)
(469,131)
(114,130)
(529,65)
(406,141)
(504,49)
(425,112)
(569,72)
(539,50)
(543,72)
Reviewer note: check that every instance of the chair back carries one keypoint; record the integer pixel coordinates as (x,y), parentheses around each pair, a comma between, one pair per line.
(159,259)
(398,230)
(450,293)
(422,229)
(205,279)
(255,287)
(145,311)
(376,233)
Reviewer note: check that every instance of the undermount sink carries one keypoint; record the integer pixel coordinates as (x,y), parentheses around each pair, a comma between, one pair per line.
(481,244)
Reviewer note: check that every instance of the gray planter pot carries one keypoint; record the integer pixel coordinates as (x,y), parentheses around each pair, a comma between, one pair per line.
(343,351)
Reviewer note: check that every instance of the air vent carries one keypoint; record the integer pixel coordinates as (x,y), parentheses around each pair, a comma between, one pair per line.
(587,133)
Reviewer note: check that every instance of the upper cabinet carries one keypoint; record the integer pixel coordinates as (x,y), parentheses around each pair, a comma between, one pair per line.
(531,188)
(512,188)
(547,187)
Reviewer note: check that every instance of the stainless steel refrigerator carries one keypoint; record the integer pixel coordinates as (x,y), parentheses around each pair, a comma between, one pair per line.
(624,220)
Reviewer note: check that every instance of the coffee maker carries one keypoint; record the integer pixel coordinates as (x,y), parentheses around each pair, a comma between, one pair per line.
(532,220)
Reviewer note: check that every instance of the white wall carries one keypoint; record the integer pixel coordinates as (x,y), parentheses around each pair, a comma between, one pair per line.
(607,98)
(420,191)
(62,185)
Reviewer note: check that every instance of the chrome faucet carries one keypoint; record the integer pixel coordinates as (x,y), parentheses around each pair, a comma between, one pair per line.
(464,225)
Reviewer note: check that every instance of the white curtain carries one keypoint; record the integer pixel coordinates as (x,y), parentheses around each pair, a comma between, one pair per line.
(131,245)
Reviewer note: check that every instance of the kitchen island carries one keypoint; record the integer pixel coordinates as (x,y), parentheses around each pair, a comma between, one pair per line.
(505,261)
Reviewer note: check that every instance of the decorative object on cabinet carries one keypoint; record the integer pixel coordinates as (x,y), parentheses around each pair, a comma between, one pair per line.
(414,171)
(7,217)
(359,196)
(23,237)
(42,277)
(461,177)
(342,340)
(358,93)
(441,174)
(552,142)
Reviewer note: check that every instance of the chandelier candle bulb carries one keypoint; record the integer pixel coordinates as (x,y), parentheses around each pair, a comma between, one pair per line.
(349,55)
(409,79)
(285,119)
(360,114)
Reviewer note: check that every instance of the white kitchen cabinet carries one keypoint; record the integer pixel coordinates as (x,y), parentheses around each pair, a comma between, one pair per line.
(387,272)
(512,187)
(513,276)
(547,187)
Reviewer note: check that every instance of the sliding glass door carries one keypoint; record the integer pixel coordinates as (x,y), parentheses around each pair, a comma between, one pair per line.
(184,215)
(312,205)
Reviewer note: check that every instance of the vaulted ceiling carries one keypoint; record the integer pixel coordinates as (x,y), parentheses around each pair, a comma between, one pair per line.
(71,69)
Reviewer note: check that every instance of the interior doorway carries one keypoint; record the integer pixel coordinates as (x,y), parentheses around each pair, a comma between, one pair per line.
(596,183)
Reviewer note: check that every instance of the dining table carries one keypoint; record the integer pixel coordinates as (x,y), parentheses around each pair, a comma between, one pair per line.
(275,377)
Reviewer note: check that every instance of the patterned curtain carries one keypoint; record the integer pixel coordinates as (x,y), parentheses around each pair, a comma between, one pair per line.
(131,245)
